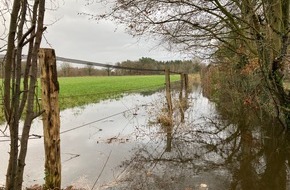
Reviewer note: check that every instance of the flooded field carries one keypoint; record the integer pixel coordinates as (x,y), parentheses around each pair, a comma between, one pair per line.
(118,144)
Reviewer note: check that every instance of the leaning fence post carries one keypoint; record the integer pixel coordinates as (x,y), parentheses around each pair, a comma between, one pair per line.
(51,118)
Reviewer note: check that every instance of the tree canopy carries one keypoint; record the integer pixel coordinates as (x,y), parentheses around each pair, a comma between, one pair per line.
(239,32)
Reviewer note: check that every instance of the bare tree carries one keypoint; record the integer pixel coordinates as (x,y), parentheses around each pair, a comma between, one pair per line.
(66,68)
(25,29)
(90,70)
(243,29)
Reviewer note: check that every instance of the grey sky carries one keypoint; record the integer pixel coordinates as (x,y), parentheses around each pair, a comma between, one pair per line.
(78,37)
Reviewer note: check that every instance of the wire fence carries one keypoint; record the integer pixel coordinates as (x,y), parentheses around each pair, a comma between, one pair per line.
(6,138)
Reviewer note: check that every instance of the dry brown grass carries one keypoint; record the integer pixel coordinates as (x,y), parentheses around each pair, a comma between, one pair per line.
(164,119)
(39,187)
(194,79)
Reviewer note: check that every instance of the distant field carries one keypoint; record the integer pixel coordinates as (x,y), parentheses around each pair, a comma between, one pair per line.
(77,91)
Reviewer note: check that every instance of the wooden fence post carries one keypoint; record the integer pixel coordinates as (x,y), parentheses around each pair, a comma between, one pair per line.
(51,118)
(168,92)
(170,110)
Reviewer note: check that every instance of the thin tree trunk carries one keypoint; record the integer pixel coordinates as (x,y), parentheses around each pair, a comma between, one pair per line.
(9,114)
(15,100)
(30,114)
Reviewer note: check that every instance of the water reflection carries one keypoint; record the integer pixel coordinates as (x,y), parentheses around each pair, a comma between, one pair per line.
(209,149)
(262,151)
(88,135)
(208,146)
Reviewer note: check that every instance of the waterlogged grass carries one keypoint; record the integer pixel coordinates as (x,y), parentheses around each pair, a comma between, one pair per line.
(78,91)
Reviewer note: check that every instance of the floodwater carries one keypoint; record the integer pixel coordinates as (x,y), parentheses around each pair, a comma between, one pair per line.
(118,144)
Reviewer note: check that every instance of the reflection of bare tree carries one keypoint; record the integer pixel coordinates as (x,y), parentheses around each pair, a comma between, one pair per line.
(169,138)
(227,151)
(183,164)
(276,153)
(246,176)
(183,100)
(152,167)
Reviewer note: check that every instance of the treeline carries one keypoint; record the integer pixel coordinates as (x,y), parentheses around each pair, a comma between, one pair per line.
(182,66)
(68,70)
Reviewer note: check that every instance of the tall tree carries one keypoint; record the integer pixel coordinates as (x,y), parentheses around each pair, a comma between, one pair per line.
(247,29)
(25,29)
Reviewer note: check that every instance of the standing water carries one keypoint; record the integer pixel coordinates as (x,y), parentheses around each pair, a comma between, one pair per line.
(119,144)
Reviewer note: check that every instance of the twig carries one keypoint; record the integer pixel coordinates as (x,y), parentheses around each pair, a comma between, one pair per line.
(102,170)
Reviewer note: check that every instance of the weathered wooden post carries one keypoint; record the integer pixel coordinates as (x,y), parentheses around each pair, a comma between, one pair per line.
(108,70)
(168,92)
(170,110)
(51,119)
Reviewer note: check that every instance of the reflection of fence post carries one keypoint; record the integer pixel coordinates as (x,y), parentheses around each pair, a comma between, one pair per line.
(181,85)
(181,100)
(186,82)
(51,120)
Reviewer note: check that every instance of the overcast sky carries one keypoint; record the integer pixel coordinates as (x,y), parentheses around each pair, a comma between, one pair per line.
(78,37)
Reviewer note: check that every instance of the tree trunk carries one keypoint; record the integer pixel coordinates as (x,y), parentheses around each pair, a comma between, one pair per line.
(51,118)
(9,114)
(15,96)
(30,113)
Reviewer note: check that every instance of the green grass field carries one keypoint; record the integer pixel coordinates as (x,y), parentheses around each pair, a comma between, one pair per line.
(78,91)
